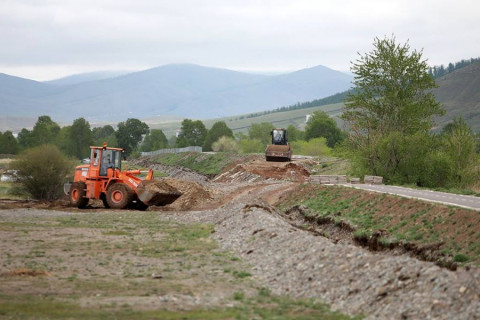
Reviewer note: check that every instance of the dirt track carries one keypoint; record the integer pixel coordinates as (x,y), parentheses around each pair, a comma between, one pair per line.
(296,262)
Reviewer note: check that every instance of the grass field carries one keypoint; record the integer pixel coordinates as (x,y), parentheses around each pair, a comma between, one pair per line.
(125,265)
(241,123)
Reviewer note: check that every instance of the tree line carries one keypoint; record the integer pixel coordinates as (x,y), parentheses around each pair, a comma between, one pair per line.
(441,70)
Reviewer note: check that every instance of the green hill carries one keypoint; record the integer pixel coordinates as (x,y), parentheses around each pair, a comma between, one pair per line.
(241,123)
(459,93)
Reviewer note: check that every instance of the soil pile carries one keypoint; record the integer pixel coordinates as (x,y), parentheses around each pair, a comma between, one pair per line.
(261,170)
(194,195)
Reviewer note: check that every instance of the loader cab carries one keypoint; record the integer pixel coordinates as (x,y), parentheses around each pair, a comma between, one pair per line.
(103,158)
(110,159)
(279,136)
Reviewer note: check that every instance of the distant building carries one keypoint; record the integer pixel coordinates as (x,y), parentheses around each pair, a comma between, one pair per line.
(307,118)
(177,132)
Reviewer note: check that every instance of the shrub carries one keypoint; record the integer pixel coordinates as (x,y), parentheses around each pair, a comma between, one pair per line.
(225,144)
(42,171)
(252,146)
(314,147)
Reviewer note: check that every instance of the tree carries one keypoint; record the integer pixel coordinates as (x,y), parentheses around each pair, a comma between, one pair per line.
(129,134)
(261,132)
(105,134)
(45,131)
(192,133)
(218,130)
(321,125)
(8,143)
(154,140)
(295,134)
(24,139)
(81,138)
(460,144)
(42,171)
(393,94)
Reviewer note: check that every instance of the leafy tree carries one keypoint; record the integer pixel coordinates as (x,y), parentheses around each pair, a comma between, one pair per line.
(105,134)
(393,95)
(63,141)
(24,139)
(218,130)
(42,171)
(225,144)
(8,143)
(81,138)
(321,125)
(460,144)
(261,132)
(295,134)
(129,134)
(154,140)
(192,133)
(45,131)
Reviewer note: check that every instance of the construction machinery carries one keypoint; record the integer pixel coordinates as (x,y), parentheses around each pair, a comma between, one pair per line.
(104,179)
(279,150)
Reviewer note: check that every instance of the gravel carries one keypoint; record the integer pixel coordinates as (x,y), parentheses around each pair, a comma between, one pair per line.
(351,279)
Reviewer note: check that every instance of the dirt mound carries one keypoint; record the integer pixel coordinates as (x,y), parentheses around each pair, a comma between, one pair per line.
(194,195)
(260,170)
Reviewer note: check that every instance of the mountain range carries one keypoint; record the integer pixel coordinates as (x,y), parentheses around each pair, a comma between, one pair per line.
(178,90)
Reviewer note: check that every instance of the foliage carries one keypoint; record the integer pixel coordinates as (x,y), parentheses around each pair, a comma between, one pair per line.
(440,71)
(129,134)
(261,132)
(252,146)
(154,140)
(8,143)
(42,171)
(392,105)
(192,133)
(218,130)
(321,125)
(81,138)
(294,134)
(225,144)
(314,147)
(45,131)
(460,144)
(105,134)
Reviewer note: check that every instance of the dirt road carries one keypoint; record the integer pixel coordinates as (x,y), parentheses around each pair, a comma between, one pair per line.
(286,259)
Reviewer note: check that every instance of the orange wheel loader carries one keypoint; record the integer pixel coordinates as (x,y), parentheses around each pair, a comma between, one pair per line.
(104,179)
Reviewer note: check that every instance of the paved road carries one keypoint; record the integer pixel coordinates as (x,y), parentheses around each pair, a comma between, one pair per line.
(470,202)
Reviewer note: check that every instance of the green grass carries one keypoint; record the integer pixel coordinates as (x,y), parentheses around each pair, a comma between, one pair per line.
(406,220)
(207,164)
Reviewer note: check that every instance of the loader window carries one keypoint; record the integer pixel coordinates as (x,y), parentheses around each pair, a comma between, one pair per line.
(110,159)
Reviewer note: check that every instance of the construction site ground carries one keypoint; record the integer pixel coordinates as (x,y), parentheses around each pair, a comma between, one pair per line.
(223,245)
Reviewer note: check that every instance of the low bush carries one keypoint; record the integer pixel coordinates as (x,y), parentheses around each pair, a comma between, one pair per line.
(42,171)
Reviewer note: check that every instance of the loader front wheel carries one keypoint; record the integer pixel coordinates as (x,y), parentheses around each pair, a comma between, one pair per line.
(78,192)
(119,196)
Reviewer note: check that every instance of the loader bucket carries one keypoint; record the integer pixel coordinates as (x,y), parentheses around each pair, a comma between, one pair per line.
(278,152)
(156,193)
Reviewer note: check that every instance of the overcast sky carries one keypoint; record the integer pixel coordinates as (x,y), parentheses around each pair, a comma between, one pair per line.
(50,39)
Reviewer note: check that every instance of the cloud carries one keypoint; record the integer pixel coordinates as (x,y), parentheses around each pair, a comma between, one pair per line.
(283,35)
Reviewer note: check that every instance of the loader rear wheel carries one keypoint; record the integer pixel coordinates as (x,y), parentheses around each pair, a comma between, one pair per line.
(119,196)
(78,192)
